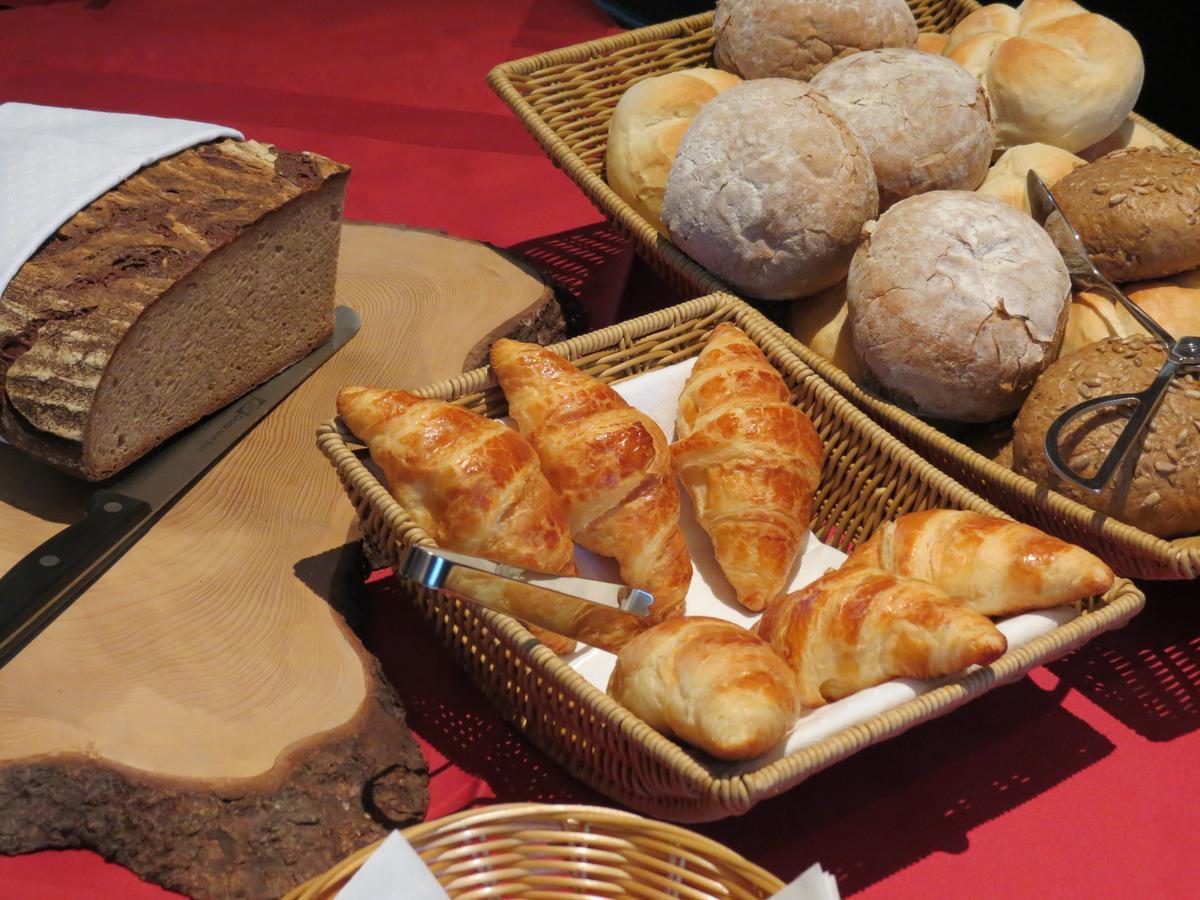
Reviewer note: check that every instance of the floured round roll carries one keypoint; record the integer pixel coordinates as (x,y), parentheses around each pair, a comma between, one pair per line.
(797,38)
(1006,180)
(1055,73)
(923,119)
(770,190)
(646,128)
(957,302)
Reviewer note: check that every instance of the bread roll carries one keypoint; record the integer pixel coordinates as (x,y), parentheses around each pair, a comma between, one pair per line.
(1055,73)
(1006,180)
(797,38)
(1158,487)
(710,683)
(922,119)
(1129,134)
(770,190)
(1094,318)
(957,302)
(1137,210)
(932,42)
(820,323)
(646,128)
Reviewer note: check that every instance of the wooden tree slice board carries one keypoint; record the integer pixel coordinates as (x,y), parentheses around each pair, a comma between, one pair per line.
(201,715)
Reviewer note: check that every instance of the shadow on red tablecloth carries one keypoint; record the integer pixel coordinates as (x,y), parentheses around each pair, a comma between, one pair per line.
(1147,675)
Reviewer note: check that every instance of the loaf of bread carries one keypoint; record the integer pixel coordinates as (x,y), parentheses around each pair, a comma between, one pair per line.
(770,190)
(797,38)
(957,302)
(1158,487)
(923,119)
(646,128)
(1094,318)
(710,683)
(1006,180)
(820,323)
(187,285)
(1129,134)
(1055,73)
(1137,210)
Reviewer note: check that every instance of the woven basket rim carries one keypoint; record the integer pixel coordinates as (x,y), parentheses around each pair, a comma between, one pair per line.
(738,792)
(714,852)
(1177,557)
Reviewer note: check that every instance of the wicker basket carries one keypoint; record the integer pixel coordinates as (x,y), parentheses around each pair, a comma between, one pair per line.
(868,478)
(565,99)
(531,849)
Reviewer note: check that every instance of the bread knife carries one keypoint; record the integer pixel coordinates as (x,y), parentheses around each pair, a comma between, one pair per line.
(35,591)
(598,613)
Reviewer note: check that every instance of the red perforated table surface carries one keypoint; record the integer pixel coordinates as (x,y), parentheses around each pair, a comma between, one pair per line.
(1081,781)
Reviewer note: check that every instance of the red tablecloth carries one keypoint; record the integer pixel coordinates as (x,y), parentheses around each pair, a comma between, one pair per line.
(1080,781)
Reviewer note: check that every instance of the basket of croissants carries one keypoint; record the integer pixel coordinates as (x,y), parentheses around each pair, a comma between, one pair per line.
(860,168)
(816,585)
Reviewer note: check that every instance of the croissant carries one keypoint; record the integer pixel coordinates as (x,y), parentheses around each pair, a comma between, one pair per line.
(710,683)
(751,462)
(857,627)
(471,483)
(609,461)
(995,566)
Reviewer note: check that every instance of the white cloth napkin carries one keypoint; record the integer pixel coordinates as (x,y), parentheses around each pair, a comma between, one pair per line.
(55,161)
(657,394)
(393,872)
(814,883)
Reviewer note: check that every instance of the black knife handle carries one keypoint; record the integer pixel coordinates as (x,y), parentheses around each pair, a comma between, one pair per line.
(43,584)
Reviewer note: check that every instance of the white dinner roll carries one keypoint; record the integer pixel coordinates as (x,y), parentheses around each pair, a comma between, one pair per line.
(797,38)
(819,322)
(1094,318)
(1006,180)
(1130,134)
(956,303)
(1055,73)
(646,128)
(932,42)
(770,190)
(923,119)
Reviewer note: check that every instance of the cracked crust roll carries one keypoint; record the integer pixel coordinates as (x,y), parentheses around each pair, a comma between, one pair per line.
(956,303)
(798,38)
(924,120)
(770,190)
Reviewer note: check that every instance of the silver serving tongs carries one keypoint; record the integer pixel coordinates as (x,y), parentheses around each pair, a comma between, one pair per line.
(599,613)
(1183,355)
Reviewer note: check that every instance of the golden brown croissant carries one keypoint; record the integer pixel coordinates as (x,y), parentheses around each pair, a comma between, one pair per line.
(995,566)
(471,483)
(609,461)
(857,627)
(751,462)
(710,683)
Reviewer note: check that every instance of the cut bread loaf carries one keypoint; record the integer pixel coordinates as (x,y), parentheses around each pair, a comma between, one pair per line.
(182,288)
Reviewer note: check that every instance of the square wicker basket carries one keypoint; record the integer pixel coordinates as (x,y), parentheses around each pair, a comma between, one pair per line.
(565,98)
(868,478)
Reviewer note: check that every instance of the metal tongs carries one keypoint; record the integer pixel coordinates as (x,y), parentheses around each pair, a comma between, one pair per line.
(1183,355)
(599,613)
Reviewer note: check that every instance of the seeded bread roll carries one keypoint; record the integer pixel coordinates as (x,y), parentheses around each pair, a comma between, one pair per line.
(646,128)
(1158,488)
(797,38)
(1055,73)
(770,190)
(923,119)
(1137,210)
(1093,318)
(957,302)
(1006,180)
